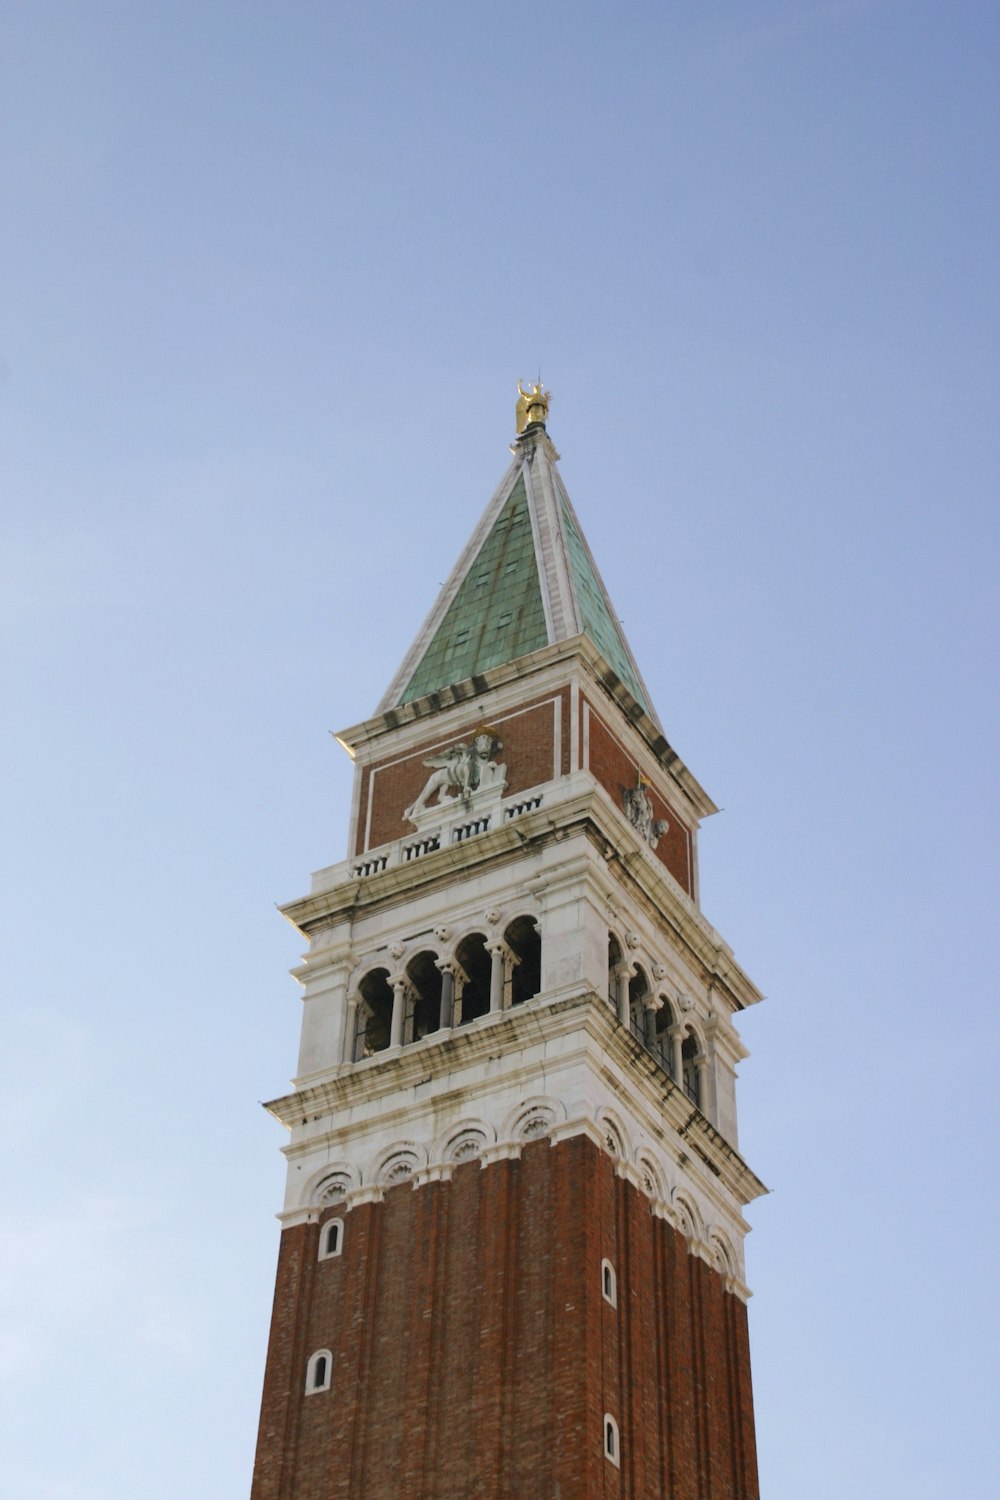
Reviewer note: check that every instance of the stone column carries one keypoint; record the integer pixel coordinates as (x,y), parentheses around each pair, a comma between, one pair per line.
(398,1012)
(498,955)
(676,1035)
(650,1005)
(623,973)
(701,1070)
(350,1026)
(447,994)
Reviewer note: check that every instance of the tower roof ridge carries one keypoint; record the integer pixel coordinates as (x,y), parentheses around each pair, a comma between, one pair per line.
(525,579)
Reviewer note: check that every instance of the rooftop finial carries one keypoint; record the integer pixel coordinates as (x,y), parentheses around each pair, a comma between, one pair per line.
(532,405)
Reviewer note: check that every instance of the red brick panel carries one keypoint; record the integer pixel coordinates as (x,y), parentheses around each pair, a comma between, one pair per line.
(528,736)
(615,769)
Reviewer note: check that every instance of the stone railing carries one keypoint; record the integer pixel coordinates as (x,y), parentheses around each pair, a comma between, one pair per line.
(443,826)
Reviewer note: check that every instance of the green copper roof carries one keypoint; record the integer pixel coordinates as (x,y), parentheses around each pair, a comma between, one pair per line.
(595,617)
(524,580)
(496,615)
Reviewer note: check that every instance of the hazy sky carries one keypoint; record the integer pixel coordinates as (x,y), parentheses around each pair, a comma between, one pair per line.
(270,272)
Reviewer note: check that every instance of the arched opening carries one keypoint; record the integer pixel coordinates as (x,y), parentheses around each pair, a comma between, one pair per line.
(614,959)
(525,976)
(474,961)
(609,1283)
(374,1023)
(638,990)
(611,1444)
(318,1371)
(690,1052)
(662,1046)
(331,1239)
(423,1000)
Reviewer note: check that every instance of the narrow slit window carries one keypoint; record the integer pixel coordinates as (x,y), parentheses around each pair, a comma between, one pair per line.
(609,1283)
(611,1443)
(331,1239)
(318,1372)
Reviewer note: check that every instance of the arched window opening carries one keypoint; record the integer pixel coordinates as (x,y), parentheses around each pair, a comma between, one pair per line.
(692,1073)
(609,1283)
(423,1001)
(614,959)
(662,1046)
(638,989)
(374,1025)
(523,940)
(331,1238)
(318,1372)
(611,1442)
(475,963)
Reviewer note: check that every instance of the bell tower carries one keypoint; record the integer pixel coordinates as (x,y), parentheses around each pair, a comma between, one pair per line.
(511,1259)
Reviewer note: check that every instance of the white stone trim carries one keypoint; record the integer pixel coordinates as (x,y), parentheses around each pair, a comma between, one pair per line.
(465,1141)
(614,1134)
(552,632)
(312,1387)
(395,1164)
(532,1118)
(331,1229)
(333,1183)
(661,1159)
(574,726)
(612,1443)
(352,821)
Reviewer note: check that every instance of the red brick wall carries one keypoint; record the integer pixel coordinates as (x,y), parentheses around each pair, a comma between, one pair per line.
(474,1356)
(528,748)
(615,770)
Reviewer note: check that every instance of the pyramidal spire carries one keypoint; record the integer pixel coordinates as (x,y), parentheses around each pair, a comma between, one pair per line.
(526,579)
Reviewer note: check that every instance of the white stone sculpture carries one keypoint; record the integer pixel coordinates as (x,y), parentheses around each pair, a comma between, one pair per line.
(639,811)
(460,771)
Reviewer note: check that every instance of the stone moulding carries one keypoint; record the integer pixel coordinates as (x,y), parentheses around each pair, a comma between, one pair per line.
(374,1127)
(579,805)
(538,1118)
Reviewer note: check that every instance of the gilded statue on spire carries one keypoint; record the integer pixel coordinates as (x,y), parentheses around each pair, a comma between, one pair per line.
(532,405)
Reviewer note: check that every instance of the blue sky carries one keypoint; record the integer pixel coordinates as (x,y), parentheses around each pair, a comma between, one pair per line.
(270,273)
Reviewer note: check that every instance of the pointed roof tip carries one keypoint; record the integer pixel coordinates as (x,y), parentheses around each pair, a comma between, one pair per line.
(525,579)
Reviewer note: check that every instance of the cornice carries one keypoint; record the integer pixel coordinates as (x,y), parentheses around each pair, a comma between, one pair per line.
(365,739)
(381,1088)
(579,806)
